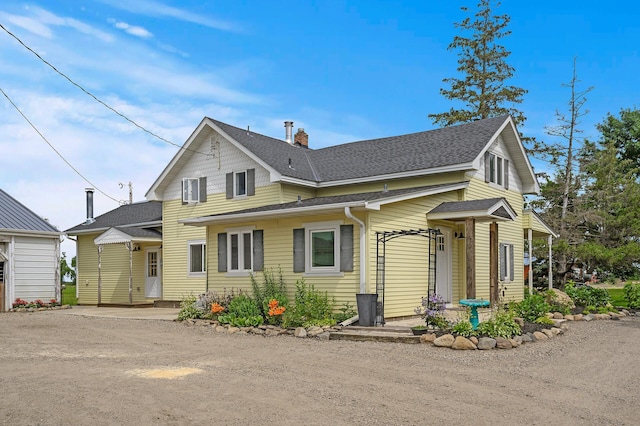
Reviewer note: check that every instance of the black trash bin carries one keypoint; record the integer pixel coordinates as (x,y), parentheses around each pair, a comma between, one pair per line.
(367,309)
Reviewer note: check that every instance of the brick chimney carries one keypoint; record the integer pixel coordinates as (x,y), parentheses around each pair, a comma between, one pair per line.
(301,138)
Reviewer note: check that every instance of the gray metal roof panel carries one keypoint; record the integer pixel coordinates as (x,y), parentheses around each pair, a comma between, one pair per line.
(470,205)
(128,214)
(14,215)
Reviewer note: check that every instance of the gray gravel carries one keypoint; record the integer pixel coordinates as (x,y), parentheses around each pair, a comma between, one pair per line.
(63,369)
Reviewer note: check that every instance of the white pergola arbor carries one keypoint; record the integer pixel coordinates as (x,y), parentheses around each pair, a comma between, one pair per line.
(536,228)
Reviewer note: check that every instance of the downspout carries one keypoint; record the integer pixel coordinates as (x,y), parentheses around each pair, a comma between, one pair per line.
(363,244)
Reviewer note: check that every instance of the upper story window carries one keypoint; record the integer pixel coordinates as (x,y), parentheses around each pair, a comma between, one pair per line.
(194,190)
(241,183)
(496,169)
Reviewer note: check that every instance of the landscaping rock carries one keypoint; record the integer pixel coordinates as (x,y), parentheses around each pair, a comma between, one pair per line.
(258,330)
(578,317)
(314,331)
(540,336)
(548,333)
(518,339)
(515,343)
(568,317)
(526,338)
(427,338)
(556,330)
(502,343)
(444,341)
(300,332)
(485,343)
(462,343)
(220,329)
(232,330)
(558,315)
(324,336)
(561,298)
(558,322)
(549,315)
(589,317)
(519,321)
(474,340)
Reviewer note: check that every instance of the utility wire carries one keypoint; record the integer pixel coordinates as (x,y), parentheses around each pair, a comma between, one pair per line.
(95,97)
(54,149)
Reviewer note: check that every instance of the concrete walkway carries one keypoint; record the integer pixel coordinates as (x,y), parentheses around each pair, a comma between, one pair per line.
(164,314)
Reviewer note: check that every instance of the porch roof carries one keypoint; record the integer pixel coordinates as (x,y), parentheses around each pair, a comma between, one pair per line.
(126,235)
(539,228)
(337,203)
(484,210)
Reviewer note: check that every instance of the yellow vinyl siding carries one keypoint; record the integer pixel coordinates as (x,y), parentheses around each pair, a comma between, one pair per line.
(508,231)
(291,192)
(114,273)
(392,184)
(176,280)
(407,258)
(278,253)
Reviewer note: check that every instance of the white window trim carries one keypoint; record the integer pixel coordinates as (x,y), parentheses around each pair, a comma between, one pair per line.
(186,183)
(322,270)
(497,174)
(507,247)
(239,231)
(204,258)
(235,184)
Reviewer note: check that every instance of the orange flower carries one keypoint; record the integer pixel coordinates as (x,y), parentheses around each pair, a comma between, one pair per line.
(274,309)
(273,303)
(216,308)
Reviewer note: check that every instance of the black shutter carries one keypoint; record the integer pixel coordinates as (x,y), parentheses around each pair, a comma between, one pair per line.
(506,174)
(298,250)
(258,250)
(202,186)
(487,167)
(222,252)
(183,191)
(251,182)
(229,185)
(346,248)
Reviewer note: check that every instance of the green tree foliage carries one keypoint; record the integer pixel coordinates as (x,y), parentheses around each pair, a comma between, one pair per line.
(67,273)
(624,132)
(482,62)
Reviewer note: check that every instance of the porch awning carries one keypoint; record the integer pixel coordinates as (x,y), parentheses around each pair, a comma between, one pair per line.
(127,235)
(539,229)
(485,210)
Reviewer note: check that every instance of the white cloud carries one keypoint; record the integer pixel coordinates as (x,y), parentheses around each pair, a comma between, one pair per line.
(32,25)
(157,9)
(133,30)
(49,18)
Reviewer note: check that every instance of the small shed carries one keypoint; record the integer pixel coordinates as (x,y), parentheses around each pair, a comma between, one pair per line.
(29,255)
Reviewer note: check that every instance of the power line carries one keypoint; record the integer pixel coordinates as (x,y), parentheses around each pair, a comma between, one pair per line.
(54,149)
(95,97)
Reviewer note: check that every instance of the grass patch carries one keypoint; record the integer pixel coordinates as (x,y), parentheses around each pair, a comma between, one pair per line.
(617,297)
(69,295)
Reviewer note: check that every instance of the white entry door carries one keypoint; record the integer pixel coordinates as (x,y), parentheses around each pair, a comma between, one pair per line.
(153,280)
(443,265)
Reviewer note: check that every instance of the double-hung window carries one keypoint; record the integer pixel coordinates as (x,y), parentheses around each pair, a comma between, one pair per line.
(240,251)
(507,262)
(496,170)
(241,183)
(197,257)
(194,190)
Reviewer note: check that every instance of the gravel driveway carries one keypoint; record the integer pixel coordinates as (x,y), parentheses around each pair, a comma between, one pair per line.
(64,369)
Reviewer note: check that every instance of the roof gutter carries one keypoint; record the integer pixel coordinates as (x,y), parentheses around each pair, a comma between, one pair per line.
(363,244)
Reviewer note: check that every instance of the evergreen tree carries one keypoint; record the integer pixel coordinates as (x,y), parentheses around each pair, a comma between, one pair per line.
(482,61)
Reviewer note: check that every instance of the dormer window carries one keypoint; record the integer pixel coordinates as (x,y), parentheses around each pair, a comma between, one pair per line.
(194,190)
(496,170)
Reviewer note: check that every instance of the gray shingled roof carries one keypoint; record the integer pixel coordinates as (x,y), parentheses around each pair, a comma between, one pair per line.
(128,214)
(397,154)
(474,205)
(14,215)
(136,232)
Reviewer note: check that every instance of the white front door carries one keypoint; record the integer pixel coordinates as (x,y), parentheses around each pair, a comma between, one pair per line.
(153,281)
(443,265)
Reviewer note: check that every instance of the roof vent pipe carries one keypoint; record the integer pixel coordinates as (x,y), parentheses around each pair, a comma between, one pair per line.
(288,125)
(90,219)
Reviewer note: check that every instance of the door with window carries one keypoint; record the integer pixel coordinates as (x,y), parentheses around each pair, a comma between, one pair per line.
(153,275)
(443,265)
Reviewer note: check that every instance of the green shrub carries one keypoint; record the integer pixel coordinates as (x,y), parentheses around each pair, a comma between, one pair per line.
(346,311)
(501,324)
(544,320)
(632,295)
(189,308)
(272,288)
(242,312)
(311,307)
(532,307)
(223,299)
(463,328)
(585,295)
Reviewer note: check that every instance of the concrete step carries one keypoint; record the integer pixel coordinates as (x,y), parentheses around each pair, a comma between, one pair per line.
(376,334)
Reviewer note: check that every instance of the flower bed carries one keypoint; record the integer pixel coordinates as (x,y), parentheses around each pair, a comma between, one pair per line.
(21,305)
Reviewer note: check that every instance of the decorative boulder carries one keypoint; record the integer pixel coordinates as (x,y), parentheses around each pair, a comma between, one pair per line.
(444,341)
(462,343)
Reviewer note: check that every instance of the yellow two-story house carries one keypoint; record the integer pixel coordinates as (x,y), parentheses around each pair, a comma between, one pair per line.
(437,211)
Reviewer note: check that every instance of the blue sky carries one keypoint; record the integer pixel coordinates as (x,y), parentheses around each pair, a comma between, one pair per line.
(343,70)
